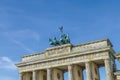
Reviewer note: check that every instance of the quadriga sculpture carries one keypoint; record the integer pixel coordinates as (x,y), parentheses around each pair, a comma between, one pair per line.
(64,39)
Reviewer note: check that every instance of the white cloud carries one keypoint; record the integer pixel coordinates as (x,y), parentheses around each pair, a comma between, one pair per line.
(7,64)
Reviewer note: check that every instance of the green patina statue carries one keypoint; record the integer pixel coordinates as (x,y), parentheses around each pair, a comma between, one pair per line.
(64,39)
(54,42)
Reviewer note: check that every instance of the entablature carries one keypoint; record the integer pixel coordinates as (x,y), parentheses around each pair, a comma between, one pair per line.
(67,49)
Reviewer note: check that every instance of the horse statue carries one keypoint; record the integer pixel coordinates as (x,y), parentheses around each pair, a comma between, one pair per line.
(67,39)
(51,41)
(54,42)
(64,39)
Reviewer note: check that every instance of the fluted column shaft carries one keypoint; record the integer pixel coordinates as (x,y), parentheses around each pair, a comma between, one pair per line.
(34,75)
(109,75)
(49,74)
(70,72)
(88,71)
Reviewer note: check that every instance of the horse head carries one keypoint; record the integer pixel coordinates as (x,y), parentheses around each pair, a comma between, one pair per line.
(51,42)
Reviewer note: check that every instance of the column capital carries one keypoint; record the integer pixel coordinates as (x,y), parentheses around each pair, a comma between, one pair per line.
(107,59)
(49,68)
(34,70)
(88,62)
(70,66)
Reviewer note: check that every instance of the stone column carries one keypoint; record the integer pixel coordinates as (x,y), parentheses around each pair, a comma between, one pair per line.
(34,75)
(70,72)
(95,71)
(57,74)
(20,76)
(49,74)
(109,72)
(78,72)
(88,71)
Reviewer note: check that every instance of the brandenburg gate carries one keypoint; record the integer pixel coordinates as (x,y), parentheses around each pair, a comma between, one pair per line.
(52,63)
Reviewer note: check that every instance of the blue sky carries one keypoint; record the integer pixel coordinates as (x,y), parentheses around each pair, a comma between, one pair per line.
(26,26)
